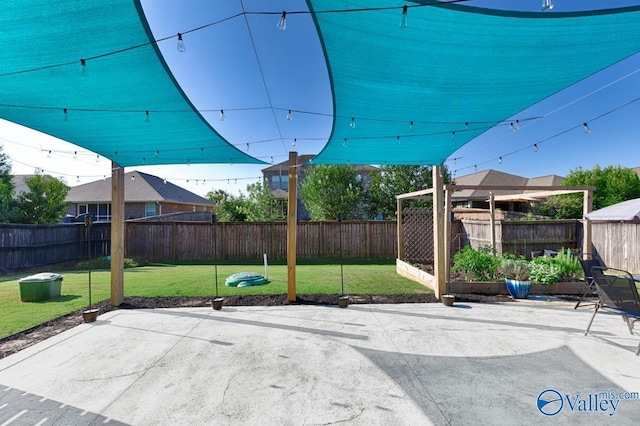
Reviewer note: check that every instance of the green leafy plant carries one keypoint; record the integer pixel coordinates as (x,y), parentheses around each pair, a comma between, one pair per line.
(515,269)
(544,271)
(476,265)
(569,266)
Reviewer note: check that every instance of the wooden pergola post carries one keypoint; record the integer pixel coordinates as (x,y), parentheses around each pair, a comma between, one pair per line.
(292,223)
(448,219)
(117,234)
(439,256)
(400,229)
(492,221)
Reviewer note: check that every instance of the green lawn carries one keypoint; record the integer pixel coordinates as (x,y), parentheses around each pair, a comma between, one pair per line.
(194,280)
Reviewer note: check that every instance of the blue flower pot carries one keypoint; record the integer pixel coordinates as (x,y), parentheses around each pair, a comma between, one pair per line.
(518,289)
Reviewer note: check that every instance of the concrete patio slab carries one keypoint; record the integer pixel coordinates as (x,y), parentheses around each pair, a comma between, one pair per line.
(500,364)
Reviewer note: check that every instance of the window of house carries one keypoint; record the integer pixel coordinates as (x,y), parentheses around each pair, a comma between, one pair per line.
(149,209)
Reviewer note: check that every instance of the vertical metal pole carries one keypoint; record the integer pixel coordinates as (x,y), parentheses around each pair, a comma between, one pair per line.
(341,255)
(214,222)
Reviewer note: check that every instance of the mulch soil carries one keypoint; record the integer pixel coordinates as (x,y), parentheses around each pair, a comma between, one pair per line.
(16,342)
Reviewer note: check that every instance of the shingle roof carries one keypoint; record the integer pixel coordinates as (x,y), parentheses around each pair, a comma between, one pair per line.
(491,177)
(139,187)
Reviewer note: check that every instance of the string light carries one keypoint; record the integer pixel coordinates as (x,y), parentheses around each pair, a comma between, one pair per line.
(294,142)
(547,5)
(344,143)
(586,128)
(403,21)
(282,23)
(535,147)
(289,115)
(411,126)
(475,168)
(77,178)
(181,46)
(398,140)
(49,154)
(83,66)
(157,154)
(147,118)
(247,147)
(221,115)
(499,160)
(353,123)
(75,155)
(272,159)
(453,135)
(97,158)
(66,116)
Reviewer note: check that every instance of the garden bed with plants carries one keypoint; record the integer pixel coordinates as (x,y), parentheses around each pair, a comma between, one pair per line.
(482,272)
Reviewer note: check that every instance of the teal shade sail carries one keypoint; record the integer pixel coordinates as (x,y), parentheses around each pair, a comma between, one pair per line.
(415,95)
(123,104)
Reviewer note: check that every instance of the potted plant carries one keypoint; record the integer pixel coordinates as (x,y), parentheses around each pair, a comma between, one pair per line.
(517,277)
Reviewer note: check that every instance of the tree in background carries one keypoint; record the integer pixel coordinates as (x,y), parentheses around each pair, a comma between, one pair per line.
(613,184)
(228,208)
(7,190)
(390,181)
(328,190)
(44,202)
(260,205)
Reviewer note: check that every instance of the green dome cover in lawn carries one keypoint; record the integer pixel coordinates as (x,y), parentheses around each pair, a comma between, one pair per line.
(245,279)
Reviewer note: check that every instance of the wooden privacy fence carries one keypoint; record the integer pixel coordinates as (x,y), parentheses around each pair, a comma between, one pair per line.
(27,246)
(521,237)
(617,244)
(250,240)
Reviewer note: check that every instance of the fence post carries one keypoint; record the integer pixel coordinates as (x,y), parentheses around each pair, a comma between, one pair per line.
(438,233)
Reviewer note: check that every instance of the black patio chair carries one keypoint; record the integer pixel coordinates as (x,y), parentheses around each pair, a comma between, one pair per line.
(591,261)
(617,292)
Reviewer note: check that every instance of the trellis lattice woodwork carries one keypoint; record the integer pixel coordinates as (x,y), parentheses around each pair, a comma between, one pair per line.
(417,226)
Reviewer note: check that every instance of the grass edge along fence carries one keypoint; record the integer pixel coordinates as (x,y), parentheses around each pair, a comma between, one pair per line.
(176,280)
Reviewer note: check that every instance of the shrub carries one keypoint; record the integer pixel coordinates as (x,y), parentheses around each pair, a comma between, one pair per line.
(476,265)
(569,266)
(544,271)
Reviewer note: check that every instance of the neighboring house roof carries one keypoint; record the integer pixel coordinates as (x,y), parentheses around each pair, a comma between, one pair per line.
(304,158)
(491,177)
(19,183)
(279,194)
(138,187)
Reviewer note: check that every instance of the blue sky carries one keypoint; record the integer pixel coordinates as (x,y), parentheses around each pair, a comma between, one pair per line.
(255,73)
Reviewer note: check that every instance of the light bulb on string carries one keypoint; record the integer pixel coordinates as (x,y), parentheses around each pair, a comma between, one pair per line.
(83,66)
(97,158)
(586,128)
(499,160)
(353,123)
(49,154)
(147,117)
(272,159)
(247,147)
(77,178)
(157,154)
(535,147)
(344,143)
(66,115)
(453,135)
(547,5)
(411,125)
(403,20)
(475,167)
(75,155)
(397,140)
(222,115)
(181,46)
(165,181)
(466,125)
(294,142)
(282,23)
(289,115)
(188,162)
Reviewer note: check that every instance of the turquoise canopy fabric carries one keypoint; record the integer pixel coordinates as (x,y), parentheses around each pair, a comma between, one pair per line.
(106,109)
(455,71)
